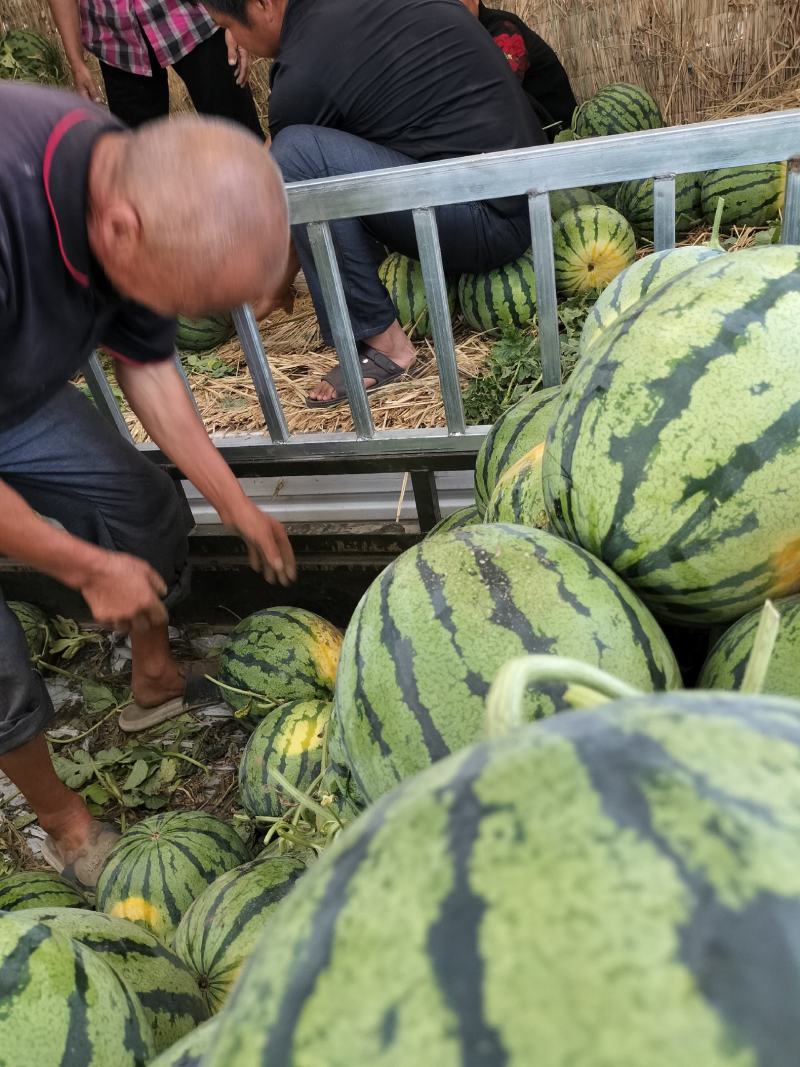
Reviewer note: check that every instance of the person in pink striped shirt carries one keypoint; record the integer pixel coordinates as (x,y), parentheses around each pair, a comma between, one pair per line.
(137,40)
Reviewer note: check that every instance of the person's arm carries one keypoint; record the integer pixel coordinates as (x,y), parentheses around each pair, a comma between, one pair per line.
(158,396)
(65,15)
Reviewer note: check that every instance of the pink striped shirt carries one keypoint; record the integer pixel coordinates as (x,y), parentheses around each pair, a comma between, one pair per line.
(115,31)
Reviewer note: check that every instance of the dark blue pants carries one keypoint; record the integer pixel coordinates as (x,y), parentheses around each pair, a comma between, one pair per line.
(71,465)
(473,237)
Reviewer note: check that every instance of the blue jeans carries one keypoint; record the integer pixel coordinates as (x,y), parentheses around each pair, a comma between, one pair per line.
(473,237)
(71,465)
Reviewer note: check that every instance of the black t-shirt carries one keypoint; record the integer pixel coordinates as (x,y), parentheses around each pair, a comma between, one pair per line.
(56,305)
(535,64)
(419,76)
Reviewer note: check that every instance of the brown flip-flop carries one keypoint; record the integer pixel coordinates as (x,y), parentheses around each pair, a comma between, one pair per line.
(198,692)
(374,364)
(84,870)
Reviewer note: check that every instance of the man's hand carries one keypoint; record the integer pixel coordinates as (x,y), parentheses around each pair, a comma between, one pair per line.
(124,593)
(238,58)
(268,305)
(268,547)
(84,83)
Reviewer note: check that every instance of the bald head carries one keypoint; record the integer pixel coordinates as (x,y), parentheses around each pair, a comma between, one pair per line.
(188,215)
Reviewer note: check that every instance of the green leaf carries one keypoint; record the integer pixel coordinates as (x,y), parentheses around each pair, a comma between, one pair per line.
(97,793)
(76,771)
(139,773)
(97,697)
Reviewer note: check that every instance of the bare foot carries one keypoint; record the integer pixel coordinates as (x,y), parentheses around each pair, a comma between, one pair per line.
(70,825)
(392,343)
(149,692)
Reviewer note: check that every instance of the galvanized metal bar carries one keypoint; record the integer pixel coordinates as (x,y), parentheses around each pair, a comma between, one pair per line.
(247,328)
(596,161)
(546,299)
(426,498)
(430,255)
(664,213)
(103,395)
(336,305)
(790,233)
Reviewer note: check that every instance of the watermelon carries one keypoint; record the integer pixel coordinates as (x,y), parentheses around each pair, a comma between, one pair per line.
(753,195)
(456,520)
(499,299)
(431,632)
(516,432)
(162,863)
(189,1051)
(726,664)
(402,279)
(290,741)
(62,1005)
(37,889)
(34,625)
(166,989)
(564,135)
(28,56)
(694,510)
(637,281)
(200,335)
(220,929)
(518,496)
(279,654)
(609,888)
(636,201)
(619,108)
(591,246)
(566,199)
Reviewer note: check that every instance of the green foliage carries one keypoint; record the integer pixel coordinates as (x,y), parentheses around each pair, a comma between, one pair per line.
(210,365)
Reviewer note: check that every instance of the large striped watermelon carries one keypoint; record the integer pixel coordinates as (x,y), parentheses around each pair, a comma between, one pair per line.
(34,625)
(220,930)
(471,515)
(280,654)
(726,664)
(637,281)
(518,496)
(37,889)
(753,195)
(190,1050)
(431,632)
(591,246)
(516,432)
(402,279)
(618,108)
(609,888)
(200,335)
(677,442)
(636,201)
(62,1005)
(289,741)
(162,863)
(562,200)
(499,299)
(166,989)
(28,56)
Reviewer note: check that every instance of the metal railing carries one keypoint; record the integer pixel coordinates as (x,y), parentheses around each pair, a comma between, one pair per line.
(534,173)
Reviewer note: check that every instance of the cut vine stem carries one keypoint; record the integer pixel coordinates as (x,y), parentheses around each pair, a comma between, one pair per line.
(755,674)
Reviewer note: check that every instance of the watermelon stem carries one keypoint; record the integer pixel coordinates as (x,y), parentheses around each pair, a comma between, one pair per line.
(303,799)
(763,646)
(505,704)
(714,241)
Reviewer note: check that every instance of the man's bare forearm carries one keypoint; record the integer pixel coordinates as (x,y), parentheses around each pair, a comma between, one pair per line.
(67,20)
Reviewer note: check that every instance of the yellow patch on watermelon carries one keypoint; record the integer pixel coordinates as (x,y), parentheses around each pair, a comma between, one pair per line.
(597,264)
(139,910)
(326,650)
(304,737)
(785,567)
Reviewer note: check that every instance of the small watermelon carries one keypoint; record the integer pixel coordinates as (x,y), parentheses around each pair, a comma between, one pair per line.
(34,625)
(280,654)
(636,201)
(402,279)
(190,1050)
(518,496)
(516,432)
(220,929)
(37,889)
(608,888)
(618,108)
(456,520)
(200,335)
(693,510)
(290,741)
(167,990)
(727,662)
(28,56)
(499,299)
(431,632)
(591,246)
(642,278)
(753,195)
(162,863)
(564,135)
(567,199)
(62,1005)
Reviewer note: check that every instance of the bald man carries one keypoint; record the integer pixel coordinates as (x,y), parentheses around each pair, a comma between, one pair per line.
(105,235)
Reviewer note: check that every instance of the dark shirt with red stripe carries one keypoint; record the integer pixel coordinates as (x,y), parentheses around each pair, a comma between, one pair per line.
(56,305)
